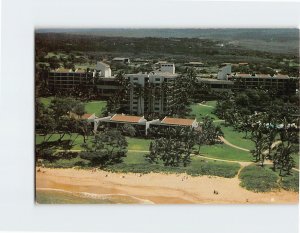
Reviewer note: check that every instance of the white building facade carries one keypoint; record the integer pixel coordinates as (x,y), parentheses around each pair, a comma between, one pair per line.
(103,69)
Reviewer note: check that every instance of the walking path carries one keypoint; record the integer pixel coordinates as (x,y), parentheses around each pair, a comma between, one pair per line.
(230,144)
(243,164)
(206,105)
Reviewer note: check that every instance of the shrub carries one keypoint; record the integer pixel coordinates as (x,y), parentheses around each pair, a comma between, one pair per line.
(258,179)
(291,182)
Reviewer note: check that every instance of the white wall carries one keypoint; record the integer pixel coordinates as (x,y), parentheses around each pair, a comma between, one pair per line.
(105,71)
(168,67)
(222,74)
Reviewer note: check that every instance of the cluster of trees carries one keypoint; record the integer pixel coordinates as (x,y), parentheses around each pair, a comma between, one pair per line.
(57,119)
(174,145)
(63,117)
(108,147)
(271,123)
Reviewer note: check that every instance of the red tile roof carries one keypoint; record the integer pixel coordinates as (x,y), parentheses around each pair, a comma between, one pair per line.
(281,76)
(126,118)
(263,75)
(86,116)
(177,121)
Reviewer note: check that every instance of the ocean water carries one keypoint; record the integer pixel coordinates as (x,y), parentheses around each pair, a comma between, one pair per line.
(56,196)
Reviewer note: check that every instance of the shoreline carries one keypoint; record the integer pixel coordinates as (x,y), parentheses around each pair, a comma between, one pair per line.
(156,188)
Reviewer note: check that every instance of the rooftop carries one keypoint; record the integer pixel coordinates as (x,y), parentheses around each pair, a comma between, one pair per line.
(63,70)
(177,121)
(86,116)
(126,118)
(263,75)
(213,80)
(103,63)
(119,58)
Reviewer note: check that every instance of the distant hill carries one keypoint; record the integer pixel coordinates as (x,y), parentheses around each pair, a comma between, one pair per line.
(279,40)
(228,33)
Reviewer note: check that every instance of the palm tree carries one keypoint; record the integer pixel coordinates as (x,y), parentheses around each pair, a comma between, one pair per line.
(139,92)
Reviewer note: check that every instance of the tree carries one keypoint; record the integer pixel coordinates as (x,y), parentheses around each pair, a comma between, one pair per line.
(128,130)
(289,136)
(259,138)
(174,148)
(83,128)
(208,134)
(108,147)
(78,108)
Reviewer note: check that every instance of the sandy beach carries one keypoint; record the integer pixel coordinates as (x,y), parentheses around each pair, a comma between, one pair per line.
(157,188)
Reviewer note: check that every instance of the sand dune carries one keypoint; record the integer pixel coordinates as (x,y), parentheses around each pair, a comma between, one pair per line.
(158,188)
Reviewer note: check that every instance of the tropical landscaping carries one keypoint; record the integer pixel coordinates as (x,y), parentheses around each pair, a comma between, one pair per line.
(139,155)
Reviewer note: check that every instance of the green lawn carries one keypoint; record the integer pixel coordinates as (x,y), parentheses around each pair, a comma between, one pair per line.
(95,107)
(236,138)
(223,151)
(78,140)
(138,144)
(90,106)
(200,111)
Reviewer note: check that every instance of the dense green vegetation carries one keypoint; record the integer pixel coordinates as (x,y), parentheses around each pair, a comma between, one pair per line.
(259,179)
(290,182)
(264,179)
(135,162)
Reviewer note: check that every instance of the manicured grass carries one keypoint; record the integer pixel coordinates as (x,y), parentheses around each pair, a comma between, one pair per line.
(90,106)
(259,179)
(201,111)
(236,138)
(138,144)
(95,107)
(76,145)
(223,151)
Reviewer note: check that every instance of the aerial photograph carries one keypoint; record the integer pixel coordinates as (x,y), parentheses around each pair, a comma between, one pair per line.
(166,116)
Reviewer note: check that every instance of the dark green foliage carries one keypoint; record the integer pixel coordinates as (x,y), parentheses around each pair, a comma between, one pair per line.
(291,182)
(207,133)
(174,148)
(108,147)
(258,179)
(197,167)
